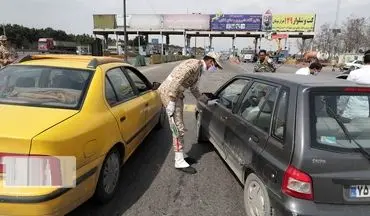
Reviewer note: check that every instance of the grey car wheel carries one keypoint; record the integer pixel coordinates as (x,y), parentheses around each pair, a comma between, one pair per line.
(256,199)
(109,177)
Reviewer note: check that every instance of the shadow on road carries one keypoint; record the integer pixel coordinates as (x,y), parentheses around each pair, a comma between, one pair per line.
(137,175)
(197,150)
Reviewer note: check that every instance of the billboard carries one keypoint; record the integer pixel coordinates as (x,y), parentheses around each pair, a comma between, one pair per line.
(267,21)
(293,22)
(105,21)
(186,21)
(235,22)
(142,21)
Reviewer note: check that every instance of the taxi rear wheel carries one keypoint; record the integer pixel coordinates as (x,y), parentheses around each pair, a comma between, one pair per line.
(162,119)
(109,177)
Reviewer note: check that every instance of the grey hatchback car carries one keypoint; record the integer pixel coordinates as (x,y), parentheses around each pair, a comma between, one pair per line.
(300,145)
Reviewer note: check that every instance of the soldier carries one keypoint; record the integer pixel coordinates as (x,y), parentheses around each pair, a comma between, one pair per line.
(7,54)
(186,75)
(264,64)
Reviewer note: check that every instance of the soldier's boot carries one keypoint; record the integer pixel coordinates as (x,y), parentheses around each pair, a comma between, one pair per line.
(181,164)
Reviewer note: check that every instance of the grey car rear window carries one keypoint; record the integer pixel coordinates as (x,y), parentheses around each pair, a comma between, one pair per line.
(352,109)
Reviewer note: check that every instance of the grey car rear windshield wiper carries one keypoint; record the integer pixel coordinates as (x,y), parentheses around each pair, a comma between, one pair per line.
(365,153)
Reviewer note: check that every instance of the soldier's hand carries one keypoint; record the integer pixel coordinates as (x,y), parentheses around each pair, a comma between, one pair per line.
(170,109)
(212,102)
(203,98)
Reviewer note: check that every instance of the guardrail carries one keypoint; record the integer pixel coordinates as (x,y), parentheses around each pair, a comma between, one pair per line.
(158,59)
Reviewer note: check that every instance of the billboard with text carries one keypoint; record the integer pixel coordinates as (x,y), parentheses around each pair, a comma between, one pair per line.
(236,22)
(186,21)
(293,22)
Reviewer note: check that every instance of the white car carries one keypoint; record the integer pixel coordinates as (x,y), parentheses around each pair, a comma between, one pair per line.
(354,65)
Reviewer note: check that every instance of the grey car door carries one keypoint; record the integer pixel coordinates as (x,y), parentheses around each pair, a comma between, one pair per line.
(247,132)
(227,98)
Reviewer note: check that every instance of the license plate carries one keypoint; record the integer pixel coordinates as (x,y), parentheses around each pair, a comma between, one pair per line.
(359,191)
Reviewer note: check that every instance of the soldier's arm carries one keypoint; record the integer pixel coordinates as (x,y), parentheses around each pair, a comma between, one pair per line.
(195,90)
(256,68)
(273,67)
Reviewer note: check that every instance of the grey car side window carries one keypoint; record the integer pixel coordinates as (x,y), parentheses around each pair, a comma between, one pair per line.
(280,116)
(258,104)
(229,96)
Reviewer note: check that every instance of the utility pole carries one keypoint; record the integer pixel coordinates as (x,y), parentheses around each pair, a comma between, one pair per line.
(336,30)
(124,29)
(195,46)
(4,29)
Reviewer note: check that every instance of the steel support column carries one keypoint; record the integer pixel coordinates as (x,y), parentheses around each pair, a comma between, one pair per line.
(210,42)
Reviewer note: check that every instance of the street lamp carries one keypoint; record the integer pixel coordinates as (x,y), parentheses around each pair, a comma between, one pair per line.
(125,30)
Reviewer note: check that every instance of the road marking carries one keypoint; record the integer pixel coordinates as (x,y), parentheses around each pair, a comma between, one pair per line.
(189,107)
(150,68)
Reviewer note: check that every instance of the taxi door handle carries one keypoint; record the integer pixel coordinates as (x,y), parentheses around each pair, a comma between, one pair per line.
(123,118)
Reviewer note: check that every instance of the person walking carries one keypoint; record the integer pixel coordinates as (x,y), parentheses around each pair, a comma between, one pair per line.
(357,107)
(185,75)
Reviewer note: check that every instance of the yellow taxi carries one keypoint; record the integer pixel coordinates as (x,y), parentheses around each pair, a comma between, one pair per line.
(93,110)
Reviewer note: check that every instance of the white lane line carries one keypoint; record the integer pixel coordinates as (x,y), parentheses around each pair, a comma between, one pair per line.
(150,68)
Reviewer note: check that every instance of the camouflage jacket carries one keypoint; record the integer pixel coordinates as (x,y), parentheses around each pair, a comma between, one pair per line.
(7,53)
(185,75)
(264,67)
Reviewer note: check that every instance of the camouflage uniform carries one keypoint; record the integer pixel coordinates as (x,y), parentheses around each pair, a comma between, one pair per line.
(6,53)
(264,67)
(186,75)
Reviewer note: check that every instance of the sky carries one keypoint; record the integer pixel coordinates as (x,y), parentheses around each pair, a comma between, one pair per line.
(75,16)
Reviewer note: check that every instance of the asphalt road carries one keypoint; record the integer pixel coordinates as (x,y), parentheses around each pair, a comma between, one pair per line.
(150,186)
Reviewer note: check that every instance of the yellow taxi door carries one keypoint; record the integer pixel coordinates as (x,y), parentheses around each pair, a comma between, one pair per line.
(150,97)
(127,107)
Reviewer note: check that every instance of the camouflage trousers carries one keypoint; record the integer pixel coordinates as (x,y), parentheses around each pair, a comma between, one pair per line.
(177,126)
(176,121)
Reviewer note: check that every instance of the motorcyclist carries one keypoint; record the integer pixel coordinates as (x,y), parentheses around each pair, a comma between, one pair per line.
(264,63)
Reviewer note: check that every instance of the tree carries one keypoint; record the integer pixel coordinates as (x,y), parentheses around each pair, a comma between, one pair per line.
(303,46)
(324,39)
(354,34)
(21,36)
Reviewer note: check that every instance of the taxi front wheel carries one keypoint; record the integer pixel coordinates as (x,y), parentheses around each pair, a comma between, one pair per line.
(108,178)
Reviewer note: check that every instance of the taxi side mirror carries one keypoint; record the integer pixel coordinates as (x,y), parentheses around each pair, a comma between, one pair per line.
(155,85)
